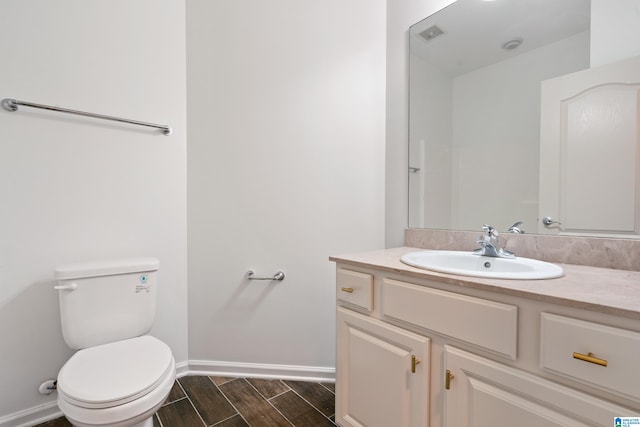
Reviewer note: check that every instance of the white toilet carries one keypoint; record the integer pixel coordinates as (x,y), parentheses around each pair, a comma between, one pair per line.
(119,376)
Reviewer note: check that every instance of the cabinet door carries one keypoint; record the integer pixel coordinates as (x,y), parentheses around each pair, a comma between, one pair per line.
(382,374)
(484,393)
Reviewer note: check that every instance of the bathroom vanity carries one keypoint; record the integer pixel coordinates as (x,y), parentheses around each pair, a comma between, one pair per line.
(418,348)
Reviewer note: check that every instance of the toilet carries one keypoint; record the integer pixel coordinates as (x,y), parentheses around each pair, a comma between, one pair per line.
(119,377)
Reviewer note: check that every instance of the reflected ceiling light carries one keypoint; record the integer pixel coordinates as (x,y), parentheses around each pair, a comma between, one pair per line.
(512,44)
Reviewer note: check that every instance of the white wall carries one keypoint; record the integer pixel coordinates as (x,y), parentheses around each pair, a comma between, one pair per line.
(77,189)
(400,15)
(615,30)
(285,168)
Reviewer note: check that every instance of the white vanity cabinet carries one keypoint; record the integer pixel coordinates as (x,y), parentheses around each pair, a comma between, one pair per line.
(485,393)
(384,373)
(481,357)
(384,370)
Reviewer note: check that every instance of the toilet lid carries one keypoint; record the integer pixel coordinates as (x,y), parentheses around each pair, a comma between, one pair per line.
(115,373)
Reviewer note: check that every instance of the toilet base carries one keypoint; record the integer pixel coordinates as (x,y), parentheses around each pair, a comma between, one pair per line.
(146,423)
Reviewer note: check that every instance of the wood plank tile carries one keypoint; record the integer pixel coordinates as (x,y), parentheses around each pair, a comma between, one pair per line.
(179,414)
(221,380)
(268,388)
(299,412)
(235,421)
(253,408)
(176,393)
(57,422)
(317,395)
(330,386)
(207,399)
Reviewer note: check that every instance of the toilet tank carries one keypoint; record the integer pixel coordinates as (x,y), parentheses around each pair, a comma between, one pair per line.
(106,301)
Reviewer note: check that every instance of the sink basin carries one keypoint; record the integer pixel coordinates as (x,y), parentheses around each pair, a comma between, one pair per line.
(469,264)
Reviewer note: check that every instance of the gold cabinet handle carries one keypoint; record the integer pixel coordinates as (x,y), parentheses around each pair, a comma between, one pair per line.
(590,357)
(350,290)
(414,361)
(447,379)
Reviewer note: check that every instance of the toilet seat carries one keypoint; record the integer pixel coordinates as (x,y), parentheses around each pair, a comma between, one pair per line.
(114,374)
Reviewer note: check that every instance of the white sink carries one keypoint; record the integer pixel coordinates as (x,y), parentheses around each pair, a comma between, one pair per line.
(469,264)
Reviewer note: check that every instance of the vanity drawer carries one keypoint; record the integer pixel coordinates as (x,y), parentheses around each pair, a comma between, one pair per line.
(564,343)
(484,323)
(355,288)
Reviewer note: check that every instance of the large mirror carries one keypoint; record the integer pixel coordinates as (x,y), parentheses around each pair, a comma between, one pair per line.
(476,73)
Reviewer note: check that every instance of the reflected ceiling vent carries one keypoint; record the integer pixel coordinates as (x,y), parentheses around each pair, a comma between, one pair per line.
(512,44)
(431,33)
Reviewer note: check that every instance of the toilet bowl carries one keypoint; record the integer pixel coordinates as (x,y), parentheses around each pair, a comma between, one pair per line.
(120,384)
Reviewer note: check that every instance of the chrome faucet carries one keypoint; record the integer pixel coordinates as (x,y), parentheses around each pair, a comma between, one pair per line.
(489,244)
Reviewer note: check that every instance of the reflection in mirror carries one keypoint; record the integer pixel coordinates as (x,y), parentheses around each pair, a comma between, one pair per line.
(590,150)
(474,126)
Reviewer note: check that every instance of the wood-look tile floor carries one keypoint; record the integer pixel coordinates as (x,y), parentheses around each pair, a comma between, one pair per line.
(197,401)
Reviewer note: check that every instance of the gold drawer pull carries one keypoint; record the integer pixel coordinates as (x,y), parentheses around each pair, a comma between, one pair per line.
(590,357)
(414,361)
(448,376)
(350,290)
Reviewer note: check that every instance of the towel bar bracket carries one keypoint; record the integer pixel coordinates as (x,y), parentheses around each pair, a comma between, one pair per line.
(10,104)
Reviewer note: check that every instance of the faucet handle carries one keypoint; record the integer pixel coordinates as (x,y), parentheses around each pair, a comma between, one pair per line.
(491,231)
(516,228)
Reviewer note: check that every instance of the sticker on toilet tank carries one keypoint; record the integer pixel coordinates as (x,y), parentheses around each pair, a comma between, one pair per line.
(143,285)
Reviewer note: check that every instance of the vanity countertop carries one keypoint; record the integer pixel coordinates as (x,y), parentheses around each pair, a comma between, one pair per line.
(604,290)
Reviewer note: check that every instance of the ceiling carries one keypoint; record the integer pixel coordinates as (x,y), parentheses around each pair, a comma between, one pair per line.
(475,30)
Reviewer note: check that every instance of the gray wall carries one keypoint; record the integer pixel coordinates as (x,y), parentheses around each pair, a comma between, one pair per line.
(286,166)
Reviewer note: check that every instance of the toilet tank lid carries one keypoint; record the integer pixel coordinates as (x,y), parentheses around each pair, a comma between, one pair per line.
(106,268)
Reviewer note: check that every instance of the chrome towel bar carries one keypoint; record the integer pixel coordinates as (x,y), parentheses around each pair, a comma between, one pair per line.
(12,105)
(278,276)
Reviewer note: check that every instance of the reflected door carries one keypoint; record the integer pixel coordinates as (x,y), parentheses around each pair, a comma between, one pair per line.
(590,151)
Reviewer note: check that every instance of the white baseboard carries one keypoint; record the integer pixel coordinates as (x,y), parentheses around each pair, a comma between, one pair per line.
(31,416)
(258,370)
(182,369)
(48,411)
